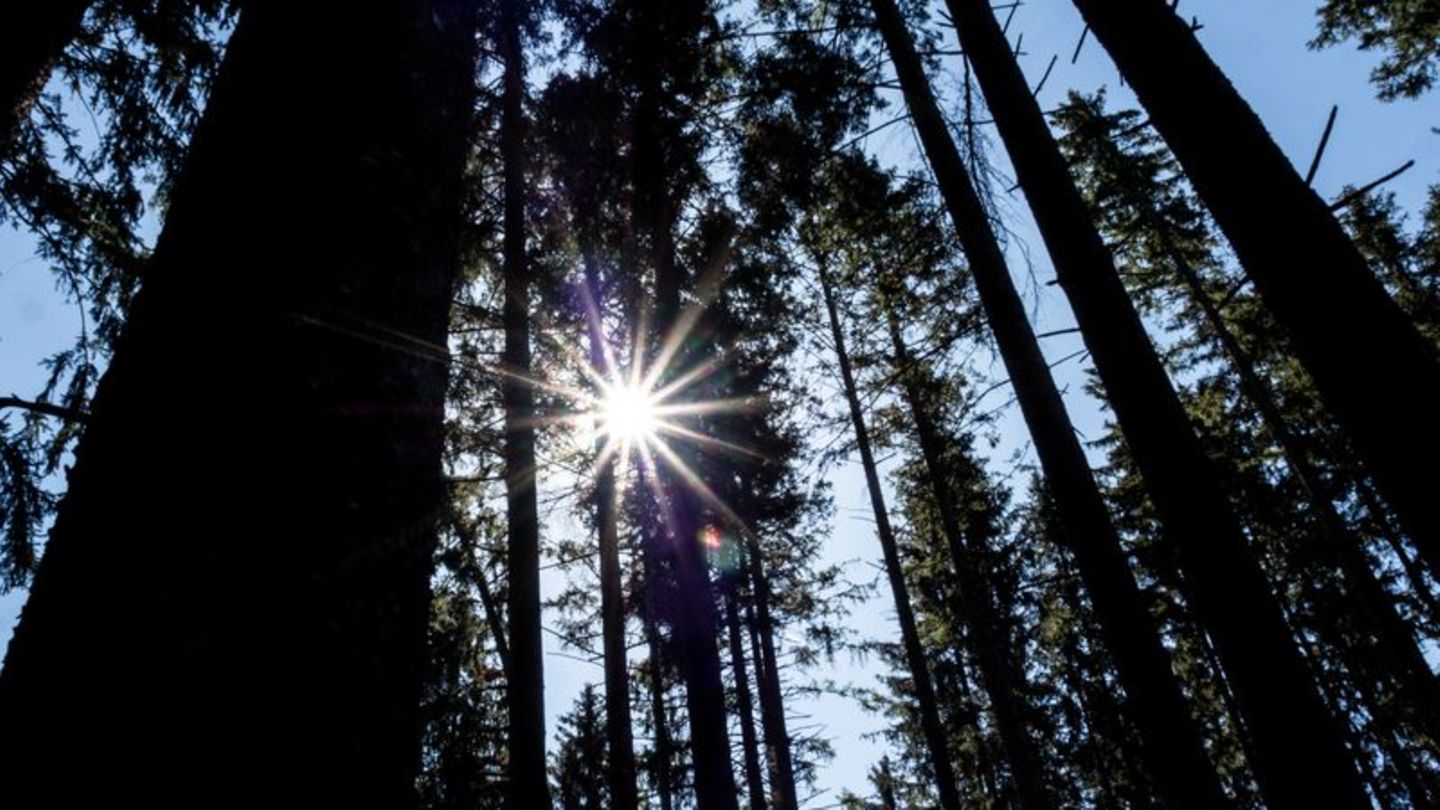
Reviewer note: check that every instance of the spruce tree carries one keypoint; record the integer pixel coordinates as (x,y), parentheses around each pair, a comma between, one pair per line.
(1229,591)
(1129,629)
(278,598)
(1309,273)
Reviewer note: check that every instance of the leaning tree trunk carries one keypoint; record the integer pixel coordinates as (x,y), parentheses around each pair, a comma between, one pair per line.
(235,592)
(529,784)
(33,34)
(1153,694)
(744,706)
(1393,640)
(1297,751)
(1001,672)
(1373,369)
(931,727)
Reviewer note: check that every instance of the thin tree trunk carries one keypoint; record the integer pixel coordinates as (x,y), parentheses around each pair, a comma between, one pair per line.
(1373,369)
(931,727)
(1130,634)
(749,742)
(619,736)
(529,784)
(1298,754)
(778,748)
(33,35)
(664,747)
(1385,526)
(236,594)
(1000,669)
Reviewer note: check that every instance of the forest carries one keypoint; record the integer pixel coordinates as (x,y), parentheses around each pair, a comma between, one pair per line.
(777,404)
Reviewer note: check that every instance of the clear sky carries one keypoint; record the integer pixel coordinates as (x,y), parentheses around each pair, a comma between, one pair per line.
(1259,43)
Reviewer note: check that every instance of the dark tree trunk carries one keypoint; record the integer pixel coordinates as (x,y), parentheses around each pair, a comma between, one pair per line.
(744,705)
(931,726)
(1129,631)
(1298,751)
(235,593)
(1001,674)
(1373,369)
(529,784)
(33,35)
(694,618)
(660,716)
(1394,641)
(778,749)
(618,734)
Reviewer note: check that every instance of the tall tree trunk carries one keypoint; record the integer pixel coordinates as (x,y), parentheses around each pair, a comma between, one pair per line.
(529,784)
(1298,751)
(1375,607)
(1000,669)
(749,741)
(660,716)
(933,730)
(33,34)
(260,481)
(694,618)
(778,748)
(619,736)
(1129,631)
(1373,369)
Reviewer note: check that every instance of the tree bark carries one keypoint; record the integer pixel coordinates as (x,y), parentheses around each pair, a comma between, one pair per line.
(33,35)
(749,741)
(529,784)
(931,727)
(1298,752)
(1129,631)
(1373,369)
(235,597)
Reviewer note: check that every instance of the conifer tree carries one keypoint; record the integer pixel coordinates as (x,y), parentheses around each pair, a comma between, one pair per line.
(1142,205)
(937,747)
(32,36)
(1129,630)
(526,676)
(1407,33)
(141,72)
(1336,314)
(278,598)
(1227,588)
(579,767)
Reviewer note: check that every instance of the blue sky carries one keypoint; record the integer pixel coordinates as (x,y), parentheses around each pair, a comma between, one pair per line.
(1259,43)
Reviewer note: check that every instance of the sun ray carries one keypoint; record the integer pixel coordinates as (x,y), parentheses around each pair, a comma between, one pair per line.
(709,441)
(693,480)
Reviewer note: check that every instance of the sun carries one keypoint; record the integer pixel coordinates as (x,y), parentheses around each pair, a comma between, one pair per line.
(629,413)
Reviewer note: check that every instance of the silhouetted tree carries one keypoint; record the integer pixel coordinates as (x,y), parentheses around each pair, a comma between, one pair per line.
(1307,270)
(277,599)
